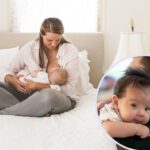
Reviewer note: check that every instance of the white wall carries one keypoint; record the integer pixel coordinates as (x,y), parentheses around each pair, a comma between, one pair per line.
(117,19)
(4,15)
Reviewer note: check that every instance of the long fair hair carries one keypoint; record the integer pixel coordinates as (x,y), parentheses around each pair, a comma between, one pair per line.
(53,25)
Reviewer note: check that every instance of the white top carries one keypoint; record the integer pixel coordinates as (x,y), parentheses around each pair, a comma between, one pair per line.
(108,112)
(41,77)
(68,58)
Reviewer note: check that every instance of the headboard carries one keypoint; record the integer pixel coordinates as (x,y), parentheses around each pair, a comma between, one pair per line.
(92,42)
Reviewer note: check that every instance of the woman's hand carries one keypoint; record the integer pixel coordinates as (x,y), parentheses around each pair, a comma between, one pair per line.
(14,81)
(30,86)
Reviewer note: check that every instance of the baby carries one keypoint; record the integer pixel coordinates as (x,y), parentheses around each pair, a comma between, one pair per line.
(56,77)
(129,109)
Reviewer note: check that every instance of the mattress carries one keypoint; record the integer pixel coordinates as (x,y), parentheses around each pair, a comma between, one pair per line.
(77,129)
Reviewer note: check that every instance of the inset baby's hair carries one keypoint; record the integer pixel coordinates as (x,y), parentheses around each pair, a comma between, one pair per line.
(133,77)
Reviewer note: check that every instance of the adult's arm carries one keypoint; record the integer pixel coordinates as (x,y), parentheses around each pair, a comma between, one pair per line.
(32,86)
(18,63)
(14,81)
(69,59)
(28,87)
(73,71)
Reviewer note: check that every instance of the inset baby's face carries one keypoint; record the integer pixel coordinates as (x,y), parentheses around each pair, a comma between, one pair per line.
(134,106)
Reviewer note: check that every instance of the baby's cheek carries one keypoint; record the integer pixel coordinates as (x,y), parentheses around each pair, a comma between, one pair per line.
(148,117)
(126,117)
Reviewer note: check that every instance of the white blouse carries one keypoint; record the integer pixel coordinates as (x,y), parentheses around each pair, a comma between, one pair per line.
(68,58)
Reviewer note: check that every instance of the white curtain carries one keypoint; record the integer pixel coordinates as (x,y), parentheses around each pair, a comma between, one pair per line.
(76,15)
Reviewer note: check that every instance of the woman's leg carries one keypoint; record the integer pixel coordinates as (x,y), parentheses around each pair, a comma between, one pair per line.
(7,99)
(12,90)
(40,103)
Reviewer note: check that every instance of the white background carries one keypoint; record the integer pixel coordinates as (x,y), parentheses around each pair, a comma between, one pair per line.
(117,15)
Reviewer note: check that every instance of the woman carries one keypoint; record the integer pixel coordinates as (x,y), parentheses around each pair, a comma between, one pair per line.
(47,52)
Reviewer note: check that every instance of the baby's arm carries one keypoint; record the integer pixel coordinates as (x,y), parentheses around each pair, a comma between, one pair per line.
(123,129)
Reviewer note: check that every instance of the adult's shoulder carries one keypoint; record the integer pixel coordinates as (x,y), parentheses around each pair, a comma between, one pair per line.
(33,44)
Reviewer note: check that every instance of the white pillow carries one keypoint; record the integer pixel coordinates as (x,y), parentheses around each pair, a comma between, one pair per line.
(84,85)
(6,55)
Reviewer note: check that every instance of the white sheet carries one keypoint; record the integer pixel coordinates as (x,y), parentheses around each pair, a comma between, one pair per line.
(77,129)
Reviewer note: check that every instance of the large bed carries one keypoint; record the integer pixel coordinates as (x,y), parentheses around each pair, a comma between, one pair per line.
(78,129)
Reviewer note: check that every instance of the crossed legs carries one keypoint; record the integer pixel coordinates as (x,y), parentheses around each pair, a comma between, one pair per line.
(36,105)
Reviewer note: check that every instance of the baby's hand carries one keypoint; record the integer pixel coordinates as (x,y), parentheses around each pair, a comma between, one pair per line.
(142,131)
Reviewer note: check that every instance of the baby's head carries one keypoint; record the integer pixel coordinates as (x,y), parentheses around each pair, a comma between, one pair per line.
(132,97)
(58,76)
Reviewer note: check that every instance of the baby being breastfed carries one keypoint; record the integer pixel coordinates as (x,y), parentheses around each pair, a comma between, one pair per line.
(57,76)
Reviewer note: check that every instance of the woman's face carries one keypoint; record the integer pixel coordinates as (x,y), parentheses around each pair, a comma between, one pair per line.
(51,40)
(135,105)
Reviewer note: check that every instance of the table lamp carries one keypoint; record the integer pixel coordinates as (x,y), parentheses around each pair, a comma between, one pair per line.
(132,44)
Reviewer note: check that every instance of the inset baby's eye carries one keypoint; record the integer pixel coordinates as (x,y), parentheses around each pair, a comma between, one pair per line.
(49,40)
(133,105)
(147,109)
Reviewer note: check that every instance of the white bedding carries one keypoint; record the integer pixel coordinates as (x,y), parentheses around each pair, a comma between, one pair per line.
(77,129)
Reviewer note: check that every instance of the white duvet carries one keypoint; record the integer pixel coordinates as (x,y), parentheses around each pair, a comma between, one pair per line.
(77,129)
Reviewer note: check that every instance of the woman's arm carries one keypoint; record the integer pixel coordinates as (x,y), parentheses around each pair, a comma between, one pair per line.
(18,63)
(14,81)
(32,86)
(69,60)
(123,129)
(73,76)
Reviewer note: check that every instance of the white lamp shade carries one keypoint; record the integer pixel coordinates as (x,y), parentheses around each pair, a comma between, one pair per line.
(132,44)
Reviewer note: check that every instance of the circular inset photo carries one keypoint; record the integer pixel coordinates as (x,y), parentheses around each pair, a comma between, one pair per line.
(123,103)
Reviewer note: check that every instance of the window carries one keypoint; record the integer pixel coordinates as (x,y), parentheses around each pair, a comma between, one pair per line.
(76,15)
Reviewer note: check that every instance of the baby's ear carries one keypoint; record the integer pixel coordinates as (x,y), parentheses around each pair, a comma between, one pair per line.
(115,101)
